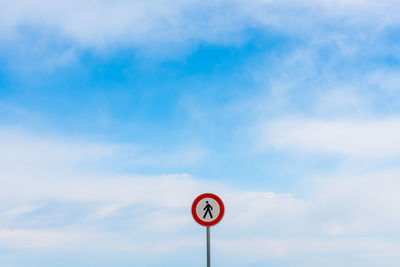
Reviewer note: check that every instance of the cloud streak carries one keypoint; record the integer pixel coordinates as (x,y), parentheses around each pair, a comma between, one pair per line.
(375,138)
(99,23)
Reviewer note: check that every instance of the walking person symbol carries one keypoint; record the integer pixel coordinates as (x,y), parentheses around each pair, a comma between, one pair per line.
(208,208)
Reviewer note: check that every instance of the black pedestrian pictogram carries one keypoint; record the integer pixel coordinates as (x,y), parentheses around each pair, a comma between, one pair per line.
(208,208)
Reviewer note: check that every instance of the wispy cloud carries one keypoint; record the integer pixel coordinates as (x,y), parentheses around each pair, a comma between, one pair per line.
(102,23)
(372,138)
(40,152)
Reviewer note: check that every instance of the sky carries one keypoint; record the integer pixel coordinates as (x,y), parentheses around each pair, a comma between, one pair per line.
(116,115)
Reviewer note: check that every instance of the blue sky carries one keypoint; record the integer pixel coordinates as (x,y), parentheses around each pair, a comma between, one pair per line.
(115,115)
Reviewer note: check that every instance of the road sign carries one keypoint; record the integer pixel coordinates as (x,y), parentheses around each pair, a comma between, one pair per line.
(208,209)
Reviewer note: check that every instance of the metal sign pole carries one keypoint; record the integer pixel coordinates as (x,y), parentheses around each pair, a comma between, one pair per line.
(208,247)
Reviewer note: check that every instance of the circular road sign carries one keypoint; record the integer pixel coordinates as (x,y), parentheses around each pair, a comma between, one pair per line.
(208,209)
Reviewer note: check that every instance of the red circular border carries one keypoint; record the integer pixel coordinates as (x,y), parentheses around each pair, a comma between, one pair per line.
(221,209)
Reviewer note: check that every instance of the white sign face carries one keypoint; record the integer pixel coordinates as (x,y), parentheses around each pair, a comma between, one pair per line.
(207,209)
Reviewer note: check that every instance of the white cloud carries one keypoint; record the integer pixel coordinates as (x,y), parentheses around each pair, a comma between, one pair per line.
(387,81)
(40,153)
(341,100)
(102,23)
(298,249)
(375,138)
(42,239)
(81,210)
(20,210)
(343,214)
(358,204)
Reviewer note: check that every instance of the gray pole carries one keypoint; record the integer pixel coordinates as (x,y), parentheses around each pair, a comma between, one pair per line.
(208,247)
